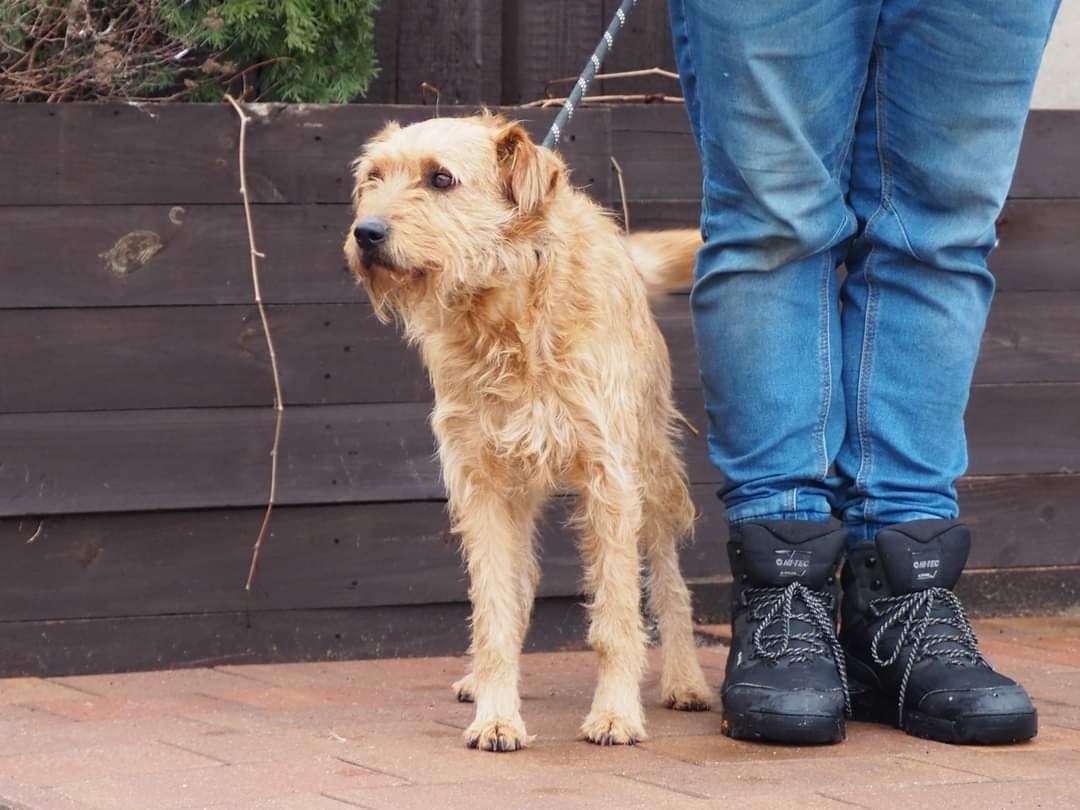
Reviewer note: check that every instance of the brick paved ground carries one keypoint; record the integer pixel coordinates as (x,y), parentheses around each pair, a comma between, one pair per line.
(386,734)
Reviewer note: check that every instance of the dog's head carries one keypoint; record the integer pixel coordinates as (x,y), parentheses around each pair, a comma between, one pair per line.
(446,208)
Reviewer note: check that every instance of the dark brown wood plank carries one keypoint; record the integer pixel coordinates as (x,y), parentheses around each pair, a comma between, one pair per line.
(368,555)
(645,42)
(214,639)
(455,45)
(545,41)
(176,459)
(348,555)
(383,89)
(1011,430)
(658,137)
(1049,163)
(190,357)
(1031,337)
(653,144)
(58,463)
(203,254)
(1022,520)
(194,255)
(186,154)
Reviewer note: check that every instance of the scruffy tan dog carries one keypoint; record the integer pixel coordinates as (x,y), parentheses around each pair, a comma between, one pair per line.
(530,310)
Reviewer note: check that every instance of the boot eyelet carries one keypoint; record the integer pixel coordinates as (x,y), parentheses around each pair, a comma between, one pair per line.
(737,551)
(875,585)
(744,578)
(871,561)
(830,580)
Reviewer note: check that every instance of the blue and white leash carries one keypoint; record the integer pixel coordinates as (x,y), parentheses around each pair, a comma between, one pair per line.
(591,68)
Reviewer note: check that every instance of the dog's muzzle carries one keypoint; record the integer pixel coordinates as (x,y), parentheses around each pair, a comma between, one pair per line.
(371,235)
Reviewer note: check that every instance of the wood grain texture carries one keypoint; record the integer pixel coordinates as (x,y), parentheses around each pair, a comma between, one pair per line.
(137,358)
(1031,337)
(186,154)
(383,89)
(51,256)
(62,463)
(545,41)
(644,42)
(341,556)
(455,45)
(384,554)
(214,639)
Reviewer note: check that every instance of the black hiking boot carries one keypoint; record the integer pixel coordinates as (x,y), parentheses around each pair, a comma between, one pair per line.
(785,677)
(912,657)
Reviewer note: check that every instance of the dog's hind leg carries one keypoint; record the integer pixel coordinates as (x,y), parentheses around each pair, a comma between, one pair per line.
(610,518)
(496,531)
(682,682)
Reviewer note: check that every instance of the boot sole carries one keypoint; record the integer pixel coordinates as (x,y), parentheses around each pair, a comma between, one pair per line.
(789,729)
(869,706)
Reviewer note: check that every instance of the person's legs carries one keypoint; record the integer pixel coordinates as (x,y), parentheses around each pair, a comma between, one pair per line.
(772,90)
(936,145)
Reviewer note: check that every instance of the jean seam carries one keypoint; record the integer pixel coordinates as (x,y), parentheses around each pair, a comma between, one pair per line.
(684,34)
(866,458)
(825,353)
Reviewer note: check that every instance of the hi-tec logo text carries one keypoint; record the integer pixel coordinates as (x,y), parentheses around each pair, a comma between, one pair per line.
(792,563)
(925,565)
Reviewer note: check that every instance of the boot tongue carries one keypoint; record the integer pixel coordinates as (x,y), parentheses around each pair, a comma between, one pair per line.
(923,554)
(782,552)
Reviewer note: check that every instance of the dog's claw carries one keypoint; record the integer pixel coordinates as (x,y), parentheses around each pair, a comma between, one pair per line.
(497,736)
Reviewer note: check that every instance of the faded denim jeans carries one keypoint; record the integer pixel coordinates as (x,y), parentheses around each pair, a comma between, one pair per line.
(877,134)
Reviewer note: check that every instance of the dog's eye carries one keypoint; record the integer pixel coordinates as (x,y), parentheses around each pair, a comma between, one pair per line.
(441,179)
(374,174)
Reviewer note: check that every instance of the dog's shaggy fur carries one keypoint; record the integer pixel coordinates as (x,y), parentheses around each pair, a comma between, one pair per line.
(531,313)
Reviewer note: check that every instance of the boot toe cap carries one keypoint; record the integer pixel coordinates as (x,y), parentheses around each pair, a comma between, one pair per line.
(765,699)
(955,704)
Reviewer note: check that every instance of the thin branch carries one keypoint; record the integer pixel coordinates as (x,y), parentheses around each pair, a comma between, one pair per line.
(37,534)
(279,400)
(622,194)
(625,74)
(610,99)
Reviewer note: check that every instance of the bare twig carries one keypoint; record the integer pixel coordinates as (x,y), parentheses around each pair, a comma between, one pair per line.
(689,425)
(610,99)
(37,534)
(622,193)
(625,74)
(279,401)
(425,88)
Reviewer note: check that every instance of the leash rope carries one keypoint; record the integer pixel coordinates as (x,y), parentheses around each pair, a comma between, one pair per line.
(586,77)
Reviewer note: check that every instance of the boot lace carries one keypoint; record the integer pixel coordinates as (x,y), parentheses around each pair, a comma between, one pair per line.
(775,610)
(914,614)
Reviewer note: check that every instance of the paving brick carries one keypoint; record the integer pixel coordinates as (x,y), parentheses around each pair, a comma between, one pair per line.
(1060,794)
(388,734)
(58,767)
(549,791)
(26,690)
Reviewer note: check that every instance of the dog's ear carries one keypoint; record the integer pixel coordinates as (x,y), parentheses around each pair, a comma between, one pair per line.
(530,172)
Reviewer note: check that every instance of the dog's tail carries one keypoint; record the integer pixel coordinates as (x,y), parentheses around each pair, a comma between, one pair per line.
(665,259)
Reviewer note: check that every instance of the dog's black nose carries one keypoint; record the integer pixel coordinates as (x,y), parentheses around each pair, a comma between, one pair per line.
(370,232)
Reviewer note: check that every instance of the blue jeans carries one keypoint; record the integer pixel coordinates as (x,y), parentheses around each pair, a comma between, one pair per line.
(877,134)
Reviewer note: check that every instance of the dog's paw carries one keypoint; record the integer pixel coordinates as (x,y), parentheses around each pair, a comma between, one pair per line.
(688,698)
(501,734)
(608,728)
(465,689)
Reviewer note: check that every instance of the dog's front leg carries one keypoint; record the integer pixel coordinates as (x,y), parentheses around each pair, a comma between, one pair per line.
(611,516)
(497,539)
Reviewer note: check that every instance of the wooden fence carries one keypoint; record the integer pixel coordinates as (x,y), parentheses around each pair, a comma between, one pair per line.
(134,392)
(505,51)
